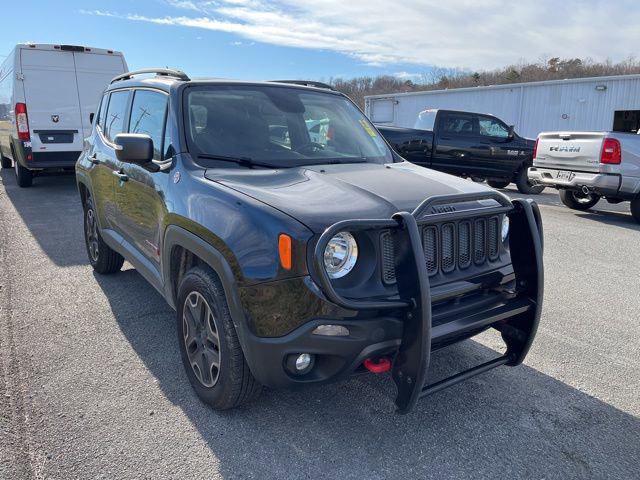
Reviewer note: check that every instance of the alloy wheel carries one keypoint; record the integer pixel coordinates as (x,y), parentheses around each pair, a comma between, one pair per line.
(91,229)
(201,339)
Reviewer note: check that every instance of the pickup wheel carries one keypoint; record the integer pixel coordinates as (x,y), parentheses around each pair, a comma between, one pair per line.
(635,209)
(523,184)
(498,183)
(578,200)
(211,353)
(5,161)
(24,176)
(102,258)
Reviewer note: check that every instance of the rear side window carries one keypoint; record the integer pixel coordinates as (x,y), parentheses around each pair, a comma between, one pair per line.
(116,113)
(147,117)
(102,113)
(457,123)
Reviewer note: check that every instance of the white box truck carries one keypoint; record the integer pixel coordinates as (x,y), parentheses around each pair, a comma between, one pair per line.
(48,96)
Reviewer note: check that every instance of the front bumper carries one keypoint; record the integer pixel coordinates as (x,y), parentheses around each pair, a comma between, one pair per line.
(601,183)
(421,319)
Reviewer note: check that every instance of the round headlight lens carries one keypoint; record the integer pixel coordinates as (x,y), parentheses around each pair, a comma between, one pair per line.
(340,255)
(505,228)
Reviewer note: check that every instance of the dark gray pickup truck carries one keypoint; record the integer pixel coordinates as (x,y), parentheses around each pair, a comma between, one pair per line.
(474,145)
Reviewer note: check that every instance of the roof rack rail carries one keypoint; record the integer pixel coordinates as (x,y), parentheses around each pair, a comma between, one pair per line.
(306,83)
(166,72)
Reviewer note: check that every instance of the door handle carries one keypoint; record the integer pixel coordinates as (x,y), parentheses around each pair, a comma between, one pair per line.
(94,159)
(122,176)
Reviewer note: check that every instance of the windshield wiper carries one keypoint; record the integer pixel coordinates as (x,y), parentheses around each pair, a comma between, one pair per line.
(244,161)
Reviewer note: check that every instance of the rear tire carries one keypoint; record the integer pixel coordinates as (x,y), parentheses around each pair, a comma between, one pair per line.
(24,176)
(635,209)
(209,345)
(5,161)
(498,183)
(102,258)
(523,184)
(578,200)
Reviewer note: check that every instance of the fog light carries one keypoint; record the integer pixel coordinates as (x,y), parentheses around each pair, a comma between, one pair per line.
(303,362)
(331,330)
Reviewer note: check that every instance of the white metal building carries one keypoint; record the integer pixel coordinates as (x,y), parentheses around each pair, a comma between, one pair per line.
(592,104)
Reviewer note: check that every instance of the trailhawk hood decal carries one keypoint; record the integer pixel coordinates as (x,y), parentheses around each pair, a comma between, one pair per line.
(319,196)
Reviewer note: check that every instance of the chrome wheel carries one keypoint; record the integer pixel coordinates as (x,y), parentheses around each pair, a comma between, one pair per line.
(91,232)
(201,340)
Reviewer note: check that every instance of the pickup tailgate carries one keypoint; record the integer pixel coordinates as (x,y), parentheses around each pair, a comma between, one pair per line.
(575,151)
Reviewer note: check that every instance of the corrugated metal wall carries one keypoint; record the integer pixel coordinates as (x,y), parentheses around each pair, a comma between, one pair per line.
(568,105)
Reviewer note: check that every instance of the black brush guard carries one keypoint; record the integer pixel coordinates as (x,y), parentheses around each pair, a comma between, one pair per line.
(412,359)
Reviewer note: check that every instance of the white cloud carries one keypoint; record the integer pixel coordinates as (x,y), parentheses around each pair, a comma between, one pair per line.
(453,34)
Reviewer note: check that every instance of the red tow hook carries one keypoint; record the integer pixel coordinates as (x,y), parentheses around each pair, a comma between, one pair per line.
(381,365)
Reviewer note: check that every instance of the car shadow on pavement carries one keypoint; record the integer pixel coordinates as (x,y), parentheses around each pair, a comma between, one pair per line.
(53,200)
(513,422)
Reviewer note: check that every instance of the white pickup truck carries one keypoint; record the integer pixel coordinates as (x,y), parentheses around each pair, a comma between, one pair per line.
(588,166)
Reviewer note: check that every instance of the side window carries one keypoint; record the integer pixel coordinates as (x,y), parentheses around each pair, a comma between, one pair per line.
(102,112)
(457,123)
(491,127)
(147,117)
(116,113)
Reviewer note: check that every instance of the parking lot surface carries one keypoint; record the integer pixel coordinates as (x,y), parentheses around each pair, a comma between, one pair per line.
(91,383)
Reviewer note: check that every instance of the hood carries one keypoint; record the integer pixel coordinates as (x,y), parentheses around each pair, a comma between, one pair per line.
(319,196)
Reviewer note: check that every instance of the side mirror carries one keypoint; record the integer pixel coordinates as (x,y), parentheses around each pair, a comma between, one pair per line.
(134,148)
(512,132)
(91,115)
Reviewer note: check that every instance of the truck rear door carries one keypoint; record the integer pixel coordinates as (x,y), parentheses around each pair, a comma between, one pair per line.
(572,151)
(94,71)
(51,95)
(458,145)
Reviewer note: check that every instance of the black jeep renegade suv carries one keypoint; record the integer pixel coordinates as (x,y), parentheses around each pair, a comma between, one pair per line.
(294,244)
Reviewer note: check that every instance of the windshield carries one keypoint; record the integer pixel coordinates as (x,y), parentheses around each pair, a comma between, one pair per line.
(278,126)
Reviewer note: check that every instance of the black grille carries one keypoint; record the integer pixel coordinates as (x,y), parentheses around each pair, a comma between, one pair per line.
(449,246)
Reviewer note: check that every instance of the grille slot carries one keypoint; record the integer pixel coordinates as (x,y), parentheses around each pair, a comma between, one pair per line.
(464,244)
(430,246)
(493,236)
(388,265)
(449,246)
(479,241)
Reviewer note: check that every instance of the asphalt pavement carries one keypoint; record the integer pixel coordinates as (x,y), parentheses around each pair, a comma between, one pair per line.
(91,383)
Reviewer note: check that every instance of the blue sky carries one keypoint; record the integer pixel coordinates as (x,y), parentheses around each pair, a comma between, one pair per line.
(321,39)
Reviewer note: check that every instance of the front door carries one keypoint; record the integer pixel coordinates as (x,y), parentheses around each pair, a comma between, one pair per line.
(502,154)
(140,190)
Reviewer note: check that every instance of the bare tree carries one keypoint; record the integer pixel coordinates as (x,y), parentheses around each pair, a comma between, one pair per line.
(547,68)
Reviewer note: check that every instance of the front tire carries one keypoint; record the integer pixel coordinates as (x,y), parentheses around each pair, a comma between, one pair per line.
(24,176)
(102,258)
(498,183)
(211,353)
(578,200)
(523,184)
(635,209)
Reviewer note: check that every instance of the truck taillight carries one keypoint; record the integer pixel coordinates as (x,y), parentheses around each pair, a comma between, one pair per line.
(22,122)
(535,149)
(611,152)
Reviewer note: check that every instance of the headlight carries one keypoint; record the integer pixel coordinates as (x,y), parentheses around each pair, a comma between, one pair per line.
(340,255)
(505,228)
